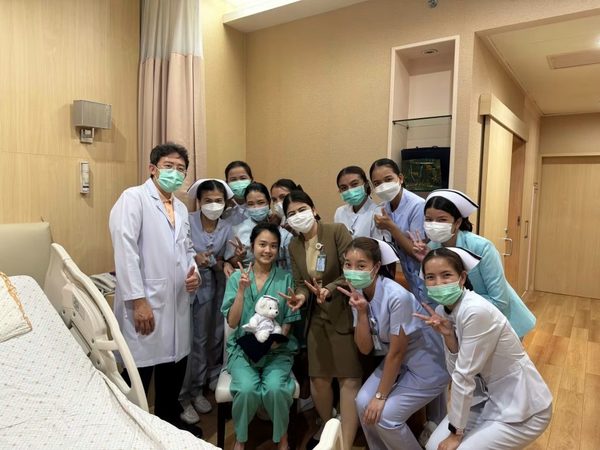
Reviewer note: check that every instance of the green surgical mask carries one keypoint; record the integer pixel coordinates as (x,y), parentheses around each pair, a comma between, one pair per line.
(354,196)
(445,294)
(170,180)
(359,279)
(239,187)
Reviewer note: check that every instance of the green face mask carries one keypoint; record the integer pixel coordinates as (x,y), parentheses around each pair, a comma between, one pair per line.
(359,279)
(445,294)
(170,180)
(239,187)
(354,196)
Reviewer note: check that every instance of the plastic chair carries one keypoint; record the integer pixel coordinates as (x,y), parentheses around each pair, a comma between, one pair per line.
(331,438)
(224,398)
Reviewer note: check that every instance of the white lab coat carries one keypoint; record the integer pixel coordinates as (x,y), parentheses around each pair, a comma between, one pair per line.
(152,259)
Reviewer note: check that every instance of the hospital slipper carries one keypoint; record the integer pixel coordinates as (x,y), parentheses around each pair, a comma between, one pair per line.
(428,430)
(189,415)
(202,404)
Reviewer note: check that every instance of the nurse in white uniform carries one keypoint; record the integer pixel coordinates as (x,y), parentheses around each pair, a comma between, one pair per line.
(401,216)
(480,344)
(209,235)
(156,272)
(412,373)
(357,214)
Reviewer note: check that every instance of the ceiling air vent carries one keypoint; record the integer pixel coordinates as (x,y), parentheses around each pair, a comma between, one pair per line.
(574,59)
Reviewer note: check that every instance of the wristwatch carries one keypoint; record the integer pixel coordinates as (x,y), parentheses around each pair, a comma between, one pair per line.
(380,396)
(456,431)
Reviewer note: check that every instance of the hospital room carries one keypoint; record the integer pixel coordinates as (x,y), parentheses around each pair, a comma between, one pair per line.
(300,224)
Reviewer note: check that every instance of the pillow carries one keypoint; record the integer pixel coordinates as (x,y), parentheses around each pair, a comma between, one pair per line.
(13,321)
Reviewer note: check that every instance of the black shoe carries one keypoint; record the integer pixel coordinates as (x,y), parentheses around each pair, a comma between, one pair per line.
(194,429)
(312,443)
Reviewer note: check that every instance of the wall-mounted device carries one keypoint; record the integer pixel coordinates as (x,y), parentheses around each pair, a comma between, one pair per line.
(90,115)
(84,177)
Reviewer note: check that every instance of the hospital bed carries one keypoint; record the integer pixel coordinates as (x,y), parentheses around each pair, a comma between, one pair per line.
(52,392)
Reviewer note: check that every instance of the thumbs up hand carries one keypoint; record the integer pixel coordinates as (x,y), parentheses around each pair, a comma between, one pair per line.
(192,280)
(384,221)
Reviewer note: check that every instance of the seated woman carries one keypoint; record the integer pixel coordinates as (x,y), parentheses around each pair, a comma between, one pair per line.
(481,348)
(412,373)
(447,225)
(267,382)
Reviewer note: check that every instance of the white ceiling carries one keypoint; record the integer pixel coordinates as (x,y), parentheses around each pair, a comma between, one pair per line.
(525,52)
(252,15)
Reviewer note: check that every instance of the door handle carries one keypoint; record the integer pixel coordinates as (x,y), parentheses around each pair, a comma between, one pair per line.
(526,229)
(507,239)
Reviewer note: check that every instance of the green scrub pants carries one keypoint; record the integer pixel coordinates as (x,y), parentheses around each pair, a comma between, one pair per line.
(266,383)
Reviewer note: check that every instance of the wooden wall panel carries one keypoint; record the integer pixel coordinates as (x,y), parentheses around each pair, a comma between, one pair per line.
(54,52)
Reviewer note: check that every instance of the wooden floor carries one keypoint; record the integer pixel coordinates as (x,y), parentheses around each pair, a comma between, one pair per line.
(565,347)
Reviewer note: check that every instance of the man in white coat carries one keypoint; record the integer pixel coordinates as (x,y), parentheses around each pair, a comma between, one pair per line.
(156,272)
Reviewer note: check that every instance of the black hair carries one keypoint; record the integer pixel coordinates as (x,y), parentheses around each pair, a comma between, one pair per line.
(298,196)
(443,204)
(287,184)
(265,226)
(370,247)
(166,149)
(211,185)
(452,258)
(384,162)
(257,187)
(242,164)
(357,171)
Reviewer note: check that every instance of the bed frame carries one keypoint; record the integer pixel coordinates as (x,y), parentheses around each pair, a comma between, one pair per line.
(26,249)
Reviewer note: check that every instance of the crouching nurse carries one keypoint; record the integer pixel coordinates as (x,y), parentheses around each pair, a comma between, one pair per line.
(480,344)
(413,372)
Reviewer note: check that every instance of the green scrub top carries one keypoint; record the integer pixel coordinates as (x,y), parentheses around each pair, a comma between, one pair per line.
(279,280)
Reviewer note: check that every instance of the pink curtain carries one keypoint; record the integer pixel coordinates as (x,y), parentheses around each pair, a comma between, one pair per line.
(171,83)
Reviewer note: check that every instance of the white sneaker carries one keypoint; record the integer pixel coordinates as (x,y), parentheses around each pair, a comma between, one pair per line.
(428,430)
(202,404)
(189,415)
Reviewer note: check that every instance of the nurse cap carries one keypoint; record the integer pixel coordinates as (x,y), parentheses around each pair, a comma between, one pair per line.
(463,203)
(193,190)
(388,255)
(469,259)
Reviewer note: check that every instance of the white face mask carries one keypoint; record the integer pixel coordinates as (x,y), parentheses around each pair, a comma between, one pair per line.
(302,222)
(388,191)
(278,209)
(212,211)
(439,232)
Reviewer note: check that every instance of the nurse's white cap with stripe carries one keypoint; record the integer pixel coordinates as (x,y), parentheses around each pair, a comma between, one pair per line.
(463,203)
(469,259)
(388,255)
(193,190)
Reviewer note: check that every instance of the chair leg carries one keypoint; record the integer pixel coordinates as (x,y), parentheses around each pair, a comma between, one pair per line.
(221,420)
(293,426)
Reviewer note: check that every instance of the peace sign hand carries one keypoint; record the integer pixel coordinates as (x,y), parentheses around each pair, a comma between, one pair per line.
(420,248)
(240,249)
(315,288)
(356,299)
(435,321)
(245,277)
(294,301)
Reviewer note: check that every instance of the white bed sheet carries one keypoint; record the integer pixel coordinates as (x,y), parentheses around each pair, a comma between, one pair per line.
(51,396)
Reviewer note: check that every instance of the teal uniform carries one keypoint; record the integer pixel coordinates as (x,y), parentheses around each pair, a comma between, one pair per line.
(267,382)
(488,281)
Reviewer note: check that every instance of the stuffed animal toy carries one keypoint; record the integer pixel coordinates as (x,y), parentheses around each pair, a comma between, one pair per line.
(263,323)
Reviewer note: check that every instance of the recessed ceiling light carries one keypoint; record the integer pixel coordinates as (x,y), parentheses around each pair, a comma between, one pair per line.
(430,51)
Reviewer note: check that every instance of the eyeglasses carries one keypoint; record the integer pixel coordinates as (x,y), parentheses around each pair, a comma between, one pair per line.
(180,169)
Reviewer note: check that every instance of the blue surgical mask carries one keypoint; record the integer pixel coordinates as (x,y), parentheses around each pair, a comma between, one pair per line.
(170,180)
(239,187)
(445,294)
(258,214)
(354,196)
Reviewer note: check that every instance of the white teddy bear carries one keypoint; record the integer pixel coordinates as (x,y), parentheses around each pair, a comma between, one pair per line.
(263,323)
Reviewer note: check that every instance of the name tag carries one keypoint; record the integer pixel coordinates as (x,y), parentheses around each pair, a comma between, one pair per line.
(321,260)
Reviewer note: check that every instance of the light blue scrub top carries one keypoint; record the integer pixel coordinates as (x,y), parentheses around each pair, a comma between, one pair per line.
(409,216)
(243,232)
(393,307)
(361,223)
(234,215)
(203,242)
(488,280)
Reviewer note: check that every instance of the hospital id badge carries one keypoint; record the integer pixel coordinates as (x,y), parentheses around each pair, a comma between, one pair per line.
(321,259)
